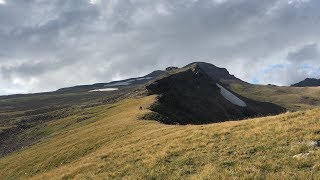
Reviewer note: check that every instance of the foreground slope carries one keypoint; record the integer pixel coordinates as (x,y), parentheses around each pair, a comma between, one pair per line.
(116,144)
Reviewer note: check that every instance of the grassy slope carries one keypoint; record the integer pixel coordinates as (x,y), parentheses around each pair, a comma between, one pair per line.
(115,144)
(292,98)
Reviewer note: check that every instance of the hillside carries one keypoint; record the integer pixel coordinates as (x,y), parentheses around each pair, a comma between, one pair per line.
(309,82)
(116,144)
(186,96)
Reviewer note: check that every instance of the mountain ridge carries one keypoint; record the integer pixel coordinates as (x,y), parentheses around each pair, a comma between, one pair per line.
(308,82)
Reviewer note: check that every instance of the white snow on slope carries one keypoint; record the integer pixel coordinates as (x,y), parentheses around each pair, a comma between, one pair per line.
(127,83)
(231,97)
(105,89)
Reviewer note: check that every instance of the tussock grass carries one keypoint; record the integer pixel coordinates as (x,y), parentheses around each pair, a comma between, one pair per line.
(114,143)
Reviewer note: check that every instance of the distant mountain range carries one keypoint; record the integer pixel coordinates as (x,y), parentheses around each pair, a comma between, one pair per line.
(309,82)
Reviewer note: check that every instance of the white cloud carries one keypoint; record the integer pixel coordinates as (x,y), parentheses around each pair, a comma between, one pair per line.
(94,1)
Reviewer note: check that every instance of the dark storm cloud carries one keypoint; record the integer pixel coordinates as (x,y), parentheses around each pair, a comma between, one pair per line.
(50,44)
(28,68)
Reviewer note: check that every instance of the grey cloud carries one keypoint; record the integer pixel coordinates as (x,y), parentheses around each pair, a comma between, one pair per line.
(308,52)
(28,68)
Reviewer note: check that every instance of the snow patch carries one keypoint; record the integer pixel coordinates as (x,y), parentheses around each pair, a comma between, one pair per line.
(104,89)
(126,83)
(231,97)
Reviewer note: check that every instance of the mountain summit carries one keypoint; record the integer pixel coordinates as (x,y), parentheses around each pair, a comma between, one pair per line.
(214,72)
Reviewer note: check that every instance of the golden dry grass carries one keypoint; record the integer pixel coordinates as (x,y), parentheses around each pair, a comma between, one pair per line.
(115,145)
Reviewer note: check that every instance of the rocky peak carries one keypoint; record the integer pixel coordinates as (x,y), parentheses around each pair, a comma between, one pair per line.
(214,72)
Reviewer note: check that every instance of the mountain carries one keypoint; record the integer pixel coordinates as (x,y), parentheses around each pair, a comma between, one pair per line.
(309,82)
(191,96)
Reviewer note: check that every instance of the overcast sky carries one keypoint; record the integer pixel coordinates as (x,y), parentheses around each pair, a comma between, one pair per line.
(49,44)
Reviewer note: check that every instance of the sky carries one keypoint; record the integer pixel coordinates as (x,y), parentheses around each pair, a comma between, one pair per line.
(50,44)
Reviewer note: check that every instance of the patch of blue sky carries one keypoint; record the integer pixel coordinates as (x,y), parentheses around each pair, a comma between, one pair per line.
(269,69)
(255,81)
(315,73)
(305,66)
(273,67)
(312,71)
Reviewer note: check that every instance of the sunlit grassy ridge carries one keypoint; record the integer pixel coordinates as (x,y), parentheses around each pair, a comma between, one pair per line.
(114,143)
(292,98)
